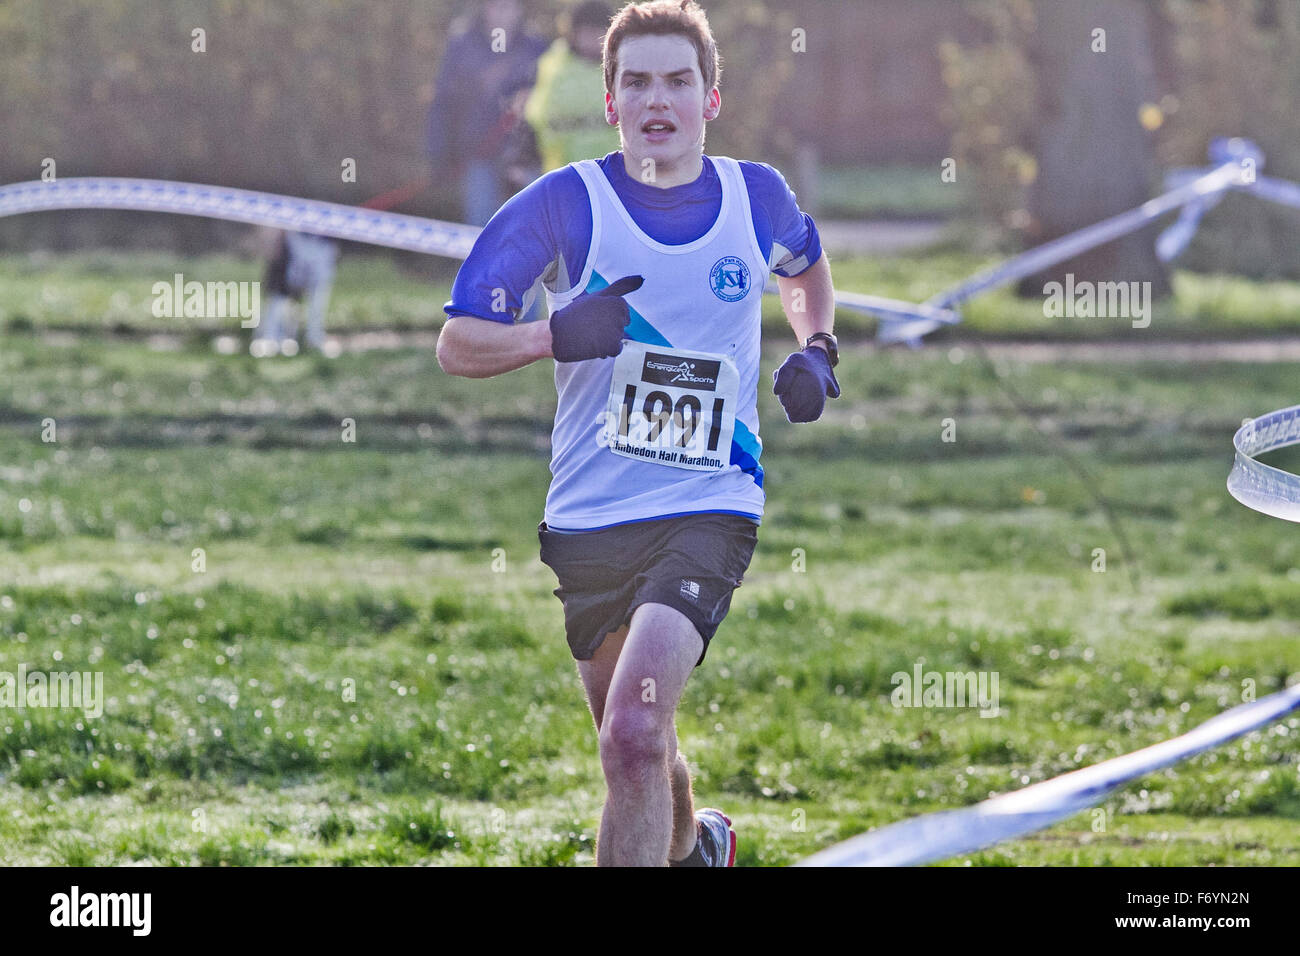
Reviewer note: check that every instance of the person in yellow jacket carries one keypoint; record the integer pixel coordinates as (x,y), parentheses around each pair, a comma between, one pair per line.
(566,105)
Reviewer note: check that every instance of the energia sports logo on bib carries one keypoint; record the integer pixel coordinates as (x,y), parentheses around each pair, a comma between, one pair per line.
(672,407)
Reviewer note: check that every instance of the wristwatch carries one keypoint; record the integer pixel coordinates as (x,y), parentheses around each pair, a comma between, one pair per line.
(832,346)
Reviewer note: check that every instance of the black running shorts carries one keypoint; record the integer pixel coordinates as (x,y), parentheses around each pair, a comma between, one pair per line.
(690,562)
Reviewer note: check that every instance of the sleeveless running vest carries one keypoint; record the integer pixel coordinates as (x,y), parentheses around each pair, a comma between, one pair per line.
(670,425)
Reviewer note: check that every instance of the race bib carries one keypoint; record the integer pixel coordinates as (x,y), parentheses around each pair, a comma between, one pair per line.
(672,406)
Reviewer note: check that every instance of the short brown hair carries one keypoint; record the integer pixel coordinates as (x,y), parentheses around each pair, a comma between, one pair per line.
(663,18)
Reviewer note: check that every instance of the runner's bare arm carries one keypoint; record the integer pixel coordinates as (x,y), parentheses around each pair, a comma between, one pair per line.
(477,348)
(809,300)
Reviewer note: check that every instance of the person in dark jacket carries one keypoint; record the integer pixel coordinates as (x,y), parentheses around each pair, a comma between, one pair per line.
(466,133)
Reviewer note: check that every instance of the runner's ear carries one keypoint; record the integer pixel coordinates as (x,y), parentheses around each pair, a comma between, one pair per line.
(623,286)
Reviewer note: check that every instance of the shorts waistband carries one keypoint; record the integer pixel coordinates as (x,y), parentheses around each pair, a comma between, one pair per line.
(679,514)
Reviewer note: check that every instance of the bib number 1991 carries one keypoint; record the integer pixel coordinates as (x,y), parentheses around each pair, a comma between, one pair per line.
(672,406)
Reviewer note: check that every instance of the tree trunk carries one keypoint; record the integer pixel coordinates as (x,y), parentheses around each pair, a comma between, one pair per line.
(1094,158)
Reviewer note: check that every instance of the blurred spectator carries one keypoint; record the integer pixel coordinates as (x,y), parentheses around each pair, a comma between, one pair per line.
(490,57)
(521,162)
(567,104)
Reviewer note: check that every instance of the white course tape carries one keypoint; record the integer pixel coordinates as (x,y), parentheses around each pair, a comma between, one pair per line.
(1198,190)
(1277,190)
(1269,490)
(893,310)
(311,216)
(935,836)
(314,217)
(1192,191)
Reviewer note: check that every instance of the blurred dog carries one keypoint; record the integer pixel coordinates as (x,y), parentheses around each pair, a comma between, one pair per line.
(302,266)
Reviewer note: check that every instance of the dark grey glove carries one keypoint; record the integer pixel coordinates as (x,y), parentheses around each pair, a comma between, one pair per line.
(592,326)
(803,383)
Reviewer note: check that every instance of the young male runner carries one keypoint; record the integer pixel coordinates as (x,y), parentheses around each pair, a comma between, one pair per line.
(654,261)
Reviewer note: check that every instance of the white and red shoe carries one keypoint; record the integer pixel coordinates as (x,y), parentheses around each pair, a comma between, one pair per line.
(717,839)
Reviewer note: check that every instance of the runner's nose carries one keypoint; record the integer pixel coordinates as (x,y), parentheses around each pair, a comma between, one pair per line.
(658,94)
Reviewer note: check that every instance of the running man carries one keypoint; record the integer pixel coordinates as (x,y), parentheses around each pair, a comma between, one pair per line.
(653,260)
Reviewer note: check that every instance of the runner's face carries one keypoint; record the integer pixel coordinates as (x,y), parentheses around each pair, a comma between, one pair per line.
(660,103)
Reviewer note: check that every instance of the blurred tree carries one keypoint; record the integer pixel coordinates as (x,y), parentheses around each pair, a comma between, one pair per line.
(754,42)
(990,108)
(284,92)
(1093,158)
(1217,68)
(1238,71)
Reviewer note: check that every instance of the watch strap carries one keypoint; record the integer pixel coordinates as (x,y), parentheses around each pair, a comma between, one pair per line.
(833,352)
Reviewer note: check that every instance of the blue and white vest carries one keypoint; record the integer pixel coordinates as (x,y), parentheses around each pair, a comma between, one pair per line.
(670,426)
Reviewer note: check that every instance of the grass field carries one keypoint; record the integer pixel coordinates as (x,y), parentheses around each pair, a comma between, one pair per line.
(109,292)
(873,191)
(370,667)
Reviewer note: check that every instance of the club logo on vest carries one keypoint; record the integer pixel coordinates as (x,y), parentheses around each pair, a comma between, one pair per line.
(729,279)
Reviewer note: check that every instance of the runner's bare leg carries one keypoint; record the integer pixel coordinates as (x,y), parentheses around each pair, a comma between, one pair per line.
(684,831)
(636,678)
(596,675)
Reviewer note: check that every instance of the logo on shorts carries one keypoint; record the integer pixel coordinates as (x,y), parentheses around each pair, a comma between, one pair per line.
(691,589)
(729,279)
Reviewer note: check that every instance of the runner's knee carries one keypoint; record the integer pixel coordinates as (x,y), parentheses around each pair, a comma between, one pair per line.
(633,737)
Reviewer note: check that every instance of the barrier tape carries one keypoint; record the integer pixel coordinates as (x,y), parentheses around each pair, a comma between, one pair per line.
(1276,190)
(1071,245)
(315,217)
(1256,485)
(1061,249)
(884,308)
(312,216)
(1192,191)
(1177,237)
(935,836)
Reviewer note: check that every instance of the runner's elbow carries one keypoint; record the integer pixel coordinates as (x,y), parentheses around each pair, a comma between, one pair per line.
(450,350)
